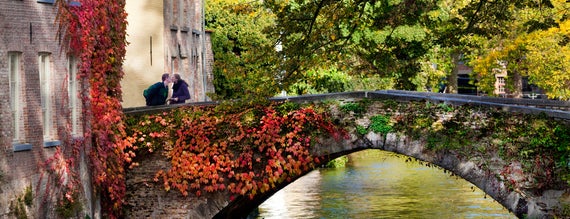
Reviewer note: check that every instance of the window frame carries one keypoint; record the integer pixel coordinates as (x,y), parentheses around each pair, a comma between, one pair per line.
(73,95)
(48,115)
(16,101)
(14,81)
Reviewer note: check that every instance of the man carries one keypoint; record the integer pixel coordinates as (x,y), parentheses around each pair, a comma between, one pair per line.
(157,93)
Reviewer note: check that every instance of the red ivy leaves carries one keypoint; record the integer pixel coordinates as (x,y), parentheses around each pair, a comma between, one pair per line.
(96,33)
(247,152)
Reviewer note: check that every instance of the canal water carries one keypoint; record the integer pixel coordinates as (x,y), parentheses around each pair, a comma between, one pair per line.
(378,184)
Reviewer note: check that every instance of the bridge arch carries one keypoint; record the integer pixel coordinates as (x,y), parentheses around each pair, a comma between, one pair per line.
(403,145)
(481,173)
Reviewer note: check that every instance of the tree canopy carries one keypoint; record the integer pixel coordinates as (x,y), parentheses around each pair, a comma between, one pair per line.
(408,44)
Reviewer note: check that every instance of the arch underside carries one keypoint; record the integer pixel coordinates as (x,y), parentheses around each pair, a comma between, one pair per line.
(486,180)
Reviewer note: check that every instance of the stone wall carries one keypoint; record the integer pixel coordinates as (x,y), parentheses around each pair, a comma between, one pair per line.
(148,199)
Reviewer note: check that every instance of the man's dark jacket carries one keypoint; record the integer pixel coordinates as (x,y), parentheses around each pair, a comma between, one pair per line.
(156,94)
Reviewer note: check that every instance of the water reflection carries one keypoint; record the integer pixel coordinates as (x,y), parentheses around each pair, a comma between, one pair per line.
(377,184)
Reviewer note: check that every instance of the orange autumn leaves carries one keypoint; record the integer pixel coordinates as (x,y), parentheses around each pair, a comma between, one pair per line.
(246,152)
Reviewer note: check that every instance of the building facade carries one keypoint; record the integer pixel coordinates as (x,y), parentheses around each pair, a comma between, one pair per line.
(39,104)
(166,37)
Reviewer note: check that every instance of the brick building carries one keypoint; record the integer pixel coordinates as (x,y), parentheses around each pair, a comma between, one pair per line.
(39,105)
(39,102)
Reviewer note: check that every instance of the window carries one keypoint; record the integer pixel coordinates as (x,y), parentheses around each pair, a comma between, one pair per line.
(73,92)
(501,80)
(15,96)
(46,96)
(194,52)
(174,47)
(501,85)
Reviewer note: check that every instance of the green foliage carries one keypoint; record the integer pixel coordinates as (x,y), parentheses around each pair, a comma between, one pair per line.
(335,46)
(392,104)
(67,208)
(18,207)
(317,81)
(422,122)
(357,108)
(361,130)
(365,38)
(245,58)
(533,45)
(380,124)
(445,107)
(28,197)
(288,107)
(435,65)
(337,162)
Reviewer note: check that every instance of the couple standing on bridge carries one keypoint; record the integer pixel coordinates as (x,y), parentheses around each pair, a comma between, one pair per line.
(157,94)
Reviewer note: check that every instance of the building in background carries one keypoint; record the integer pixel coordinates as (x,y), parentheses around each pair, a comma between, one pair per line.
(166,36)
(466,83)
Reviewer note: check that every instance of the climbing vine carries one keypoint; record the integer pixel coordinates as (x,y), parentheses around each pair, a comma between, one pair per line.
(213,150)
(95,31)
(62,173)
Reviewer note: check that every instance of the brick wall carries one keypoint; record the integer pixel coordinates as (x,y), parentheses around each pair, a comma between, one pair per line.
(209,64)
(186,46)
(28,27)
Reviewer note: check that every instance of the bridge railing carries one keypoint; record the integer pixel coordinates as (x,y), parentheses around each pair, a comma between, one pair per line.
(552,108)
(538,103)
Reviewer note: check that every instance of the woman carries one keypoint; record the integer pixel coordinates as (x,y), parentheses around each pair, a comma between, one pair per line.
(180,91)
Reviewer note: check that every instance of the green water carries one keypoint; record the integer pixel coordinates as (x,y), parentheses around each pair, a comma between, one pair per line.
(377,184)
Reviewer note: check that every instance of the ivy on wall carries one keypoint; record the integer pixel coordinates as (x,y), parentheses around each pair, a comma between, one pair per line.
(95,32)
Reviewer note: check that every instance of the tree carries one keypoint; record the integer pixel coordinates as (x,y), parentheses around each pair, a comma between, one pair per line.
(400,41)
(536,46)
(455,24)
(244,56)
(364,37)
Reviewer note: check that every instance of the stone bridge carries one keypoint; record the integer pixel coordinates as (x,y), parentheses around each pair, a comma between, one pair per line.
(528,182)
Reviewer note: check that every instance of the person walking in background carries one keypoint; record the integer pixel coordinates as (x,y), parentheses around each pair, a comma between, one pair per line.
(180,91)
(157,93)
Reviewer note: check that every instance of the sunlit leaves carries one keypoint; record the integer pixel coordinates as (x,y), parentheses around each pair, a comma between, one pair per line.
(548,62)
(536,46)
